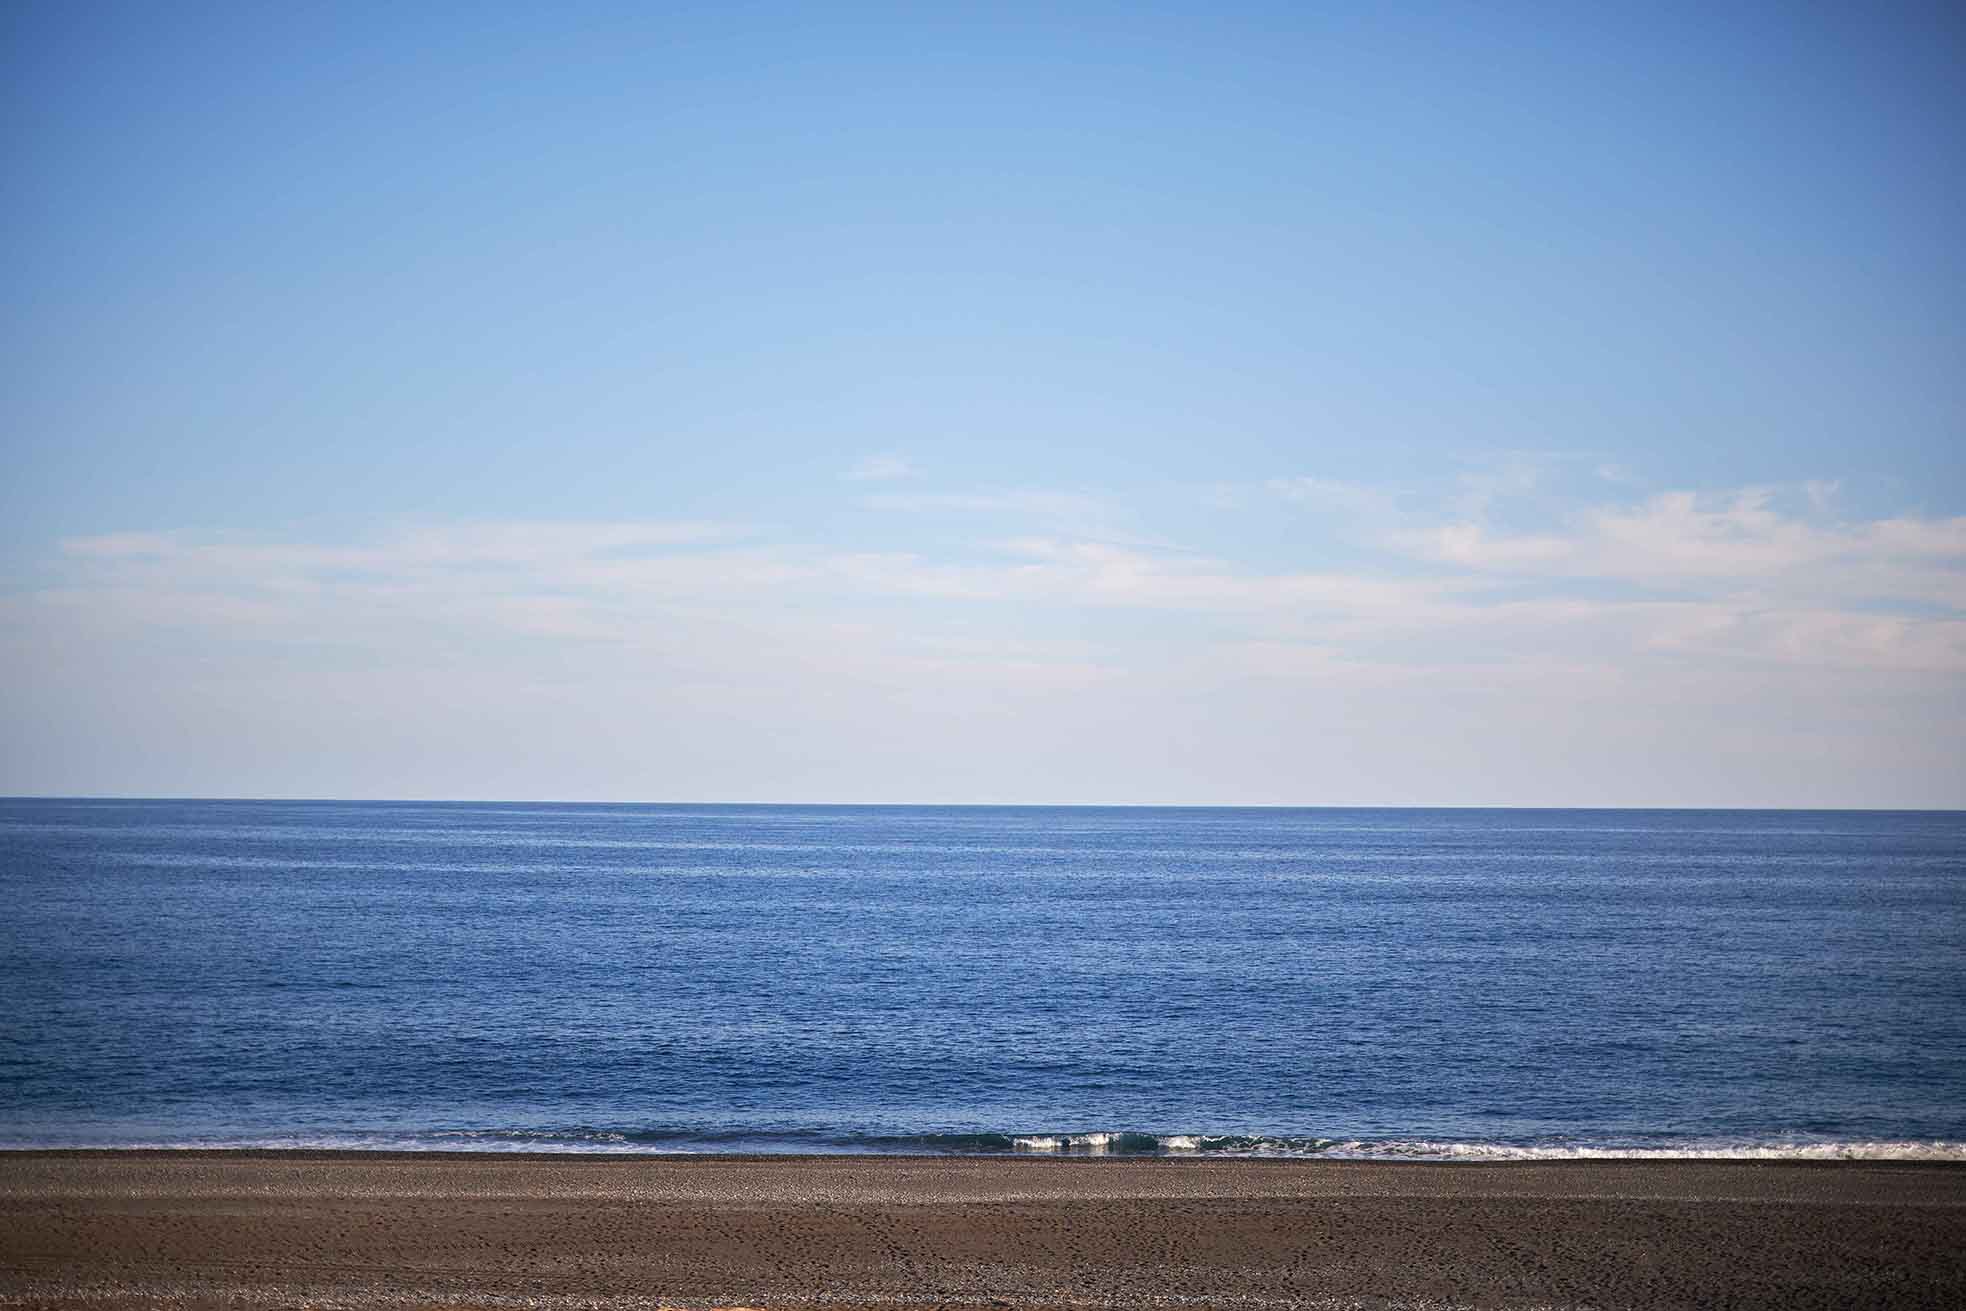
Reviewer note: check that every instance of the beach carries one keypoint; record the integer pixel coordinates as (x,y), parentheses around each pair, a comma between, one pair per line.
(190,1228)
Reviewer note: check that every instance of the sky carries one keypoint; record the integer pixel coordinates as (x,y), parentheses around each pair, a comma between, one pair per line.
(1338,404)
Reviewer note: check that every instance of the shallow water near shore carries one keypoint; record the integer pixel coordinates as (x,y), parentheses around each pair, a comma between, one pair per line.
(1336,983)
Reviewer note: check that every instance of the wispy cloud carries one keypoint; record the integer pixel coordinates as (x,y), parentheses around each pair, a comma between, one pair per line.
(1697,610)
(1735,543)
(1678,574)
(1335,496)
(879,468)
(993,510)
(510,542)
(1021,501)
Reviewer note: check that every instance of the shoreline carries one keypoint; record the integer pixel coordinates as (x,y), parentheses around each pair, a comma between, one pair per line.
(1173,1159)
(112,1228)
(1368,1151)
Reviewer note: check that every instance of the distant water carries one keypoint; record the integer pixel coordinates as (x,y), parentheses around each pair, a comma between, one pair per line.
(888,979)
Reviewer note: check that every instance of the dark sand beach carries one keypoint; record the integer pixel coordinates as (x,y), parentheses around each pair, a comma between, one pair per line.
(340,1229)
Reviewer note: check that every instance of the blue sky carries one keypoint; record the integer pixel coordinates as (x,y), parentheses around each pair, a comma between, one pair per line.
(1461,404)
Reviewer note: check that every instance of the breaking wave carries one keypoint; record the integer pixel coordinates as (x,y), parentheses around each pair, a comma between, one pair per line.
(1099,1143)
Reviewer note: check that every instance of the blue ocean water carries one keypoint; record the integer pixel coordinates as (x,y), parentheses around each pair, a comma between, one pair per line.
(673,978)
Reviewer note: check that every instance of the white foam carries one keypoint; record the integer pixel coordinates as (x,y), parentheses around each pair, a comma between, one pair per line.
(1420,1149)
(1089,1144)
(1093,1144)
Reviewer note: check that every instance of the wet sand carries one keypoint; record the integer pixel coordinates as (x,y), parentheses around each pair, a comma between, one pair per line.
(118,1229)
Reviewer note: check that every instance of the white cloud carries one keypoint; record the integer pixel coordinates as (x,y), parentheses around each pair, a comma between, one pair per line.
(1730,544)
(1713,575)
(1471,544)
(1702,612)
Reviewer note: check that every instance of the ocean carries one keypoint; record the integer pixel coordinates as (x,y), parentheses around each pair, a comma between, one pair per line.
(1482,984)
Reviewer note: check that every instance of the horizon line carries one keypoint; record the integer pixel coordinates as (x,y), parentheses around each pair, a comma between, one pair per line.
(970,805)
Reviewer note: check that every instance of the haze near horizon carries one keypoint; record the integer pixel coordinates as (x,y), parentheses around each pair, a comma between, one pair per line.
(1246,403)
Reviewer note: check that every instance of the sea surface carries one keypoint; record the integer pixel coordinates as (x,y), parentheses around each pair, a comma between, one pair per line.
(1378,983)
